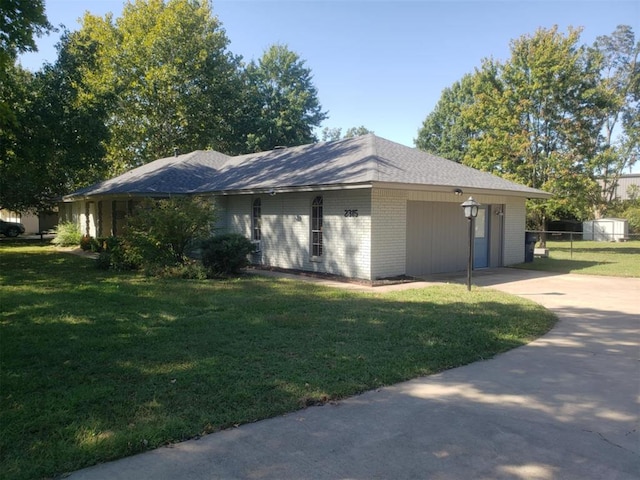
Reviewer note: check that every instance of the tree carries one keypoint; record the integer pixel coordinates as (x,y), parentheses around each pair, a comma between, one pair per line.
(286,102)
(20,22)
(619,141)
(333,134)
(54,144)
(537,119)
(166,76)
(534,119)
(556,116)
(445,132)
(357,131)
(14,97)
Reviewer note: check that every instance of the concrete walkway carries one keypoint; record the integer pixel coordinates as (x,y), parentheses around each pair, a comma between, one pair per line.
(565,406)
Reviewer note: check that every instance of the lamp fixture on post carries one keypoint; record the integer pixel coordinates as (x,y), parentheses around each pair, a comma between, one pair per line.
(470,208)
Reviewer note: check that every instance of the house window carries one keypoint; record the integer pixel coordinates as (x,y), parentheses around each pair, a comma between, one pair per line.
(256,220)
(316,227)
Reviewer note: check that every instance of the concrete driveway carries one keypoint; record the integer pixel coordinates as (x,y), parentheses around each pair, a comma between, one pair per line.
(563,407)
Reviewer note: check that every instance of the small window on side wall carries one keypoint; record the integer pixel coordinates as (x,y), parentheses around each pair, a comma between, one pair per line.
(256,220)
(316,227)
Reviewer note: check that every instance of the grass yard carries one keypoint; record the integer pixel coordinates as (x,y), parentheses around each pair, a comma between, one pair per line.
(100,365)
(590,258)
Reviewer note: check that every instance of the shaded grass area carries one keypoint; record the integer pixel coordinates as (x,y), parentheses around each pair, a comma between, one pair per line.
(99,365)
(590,258)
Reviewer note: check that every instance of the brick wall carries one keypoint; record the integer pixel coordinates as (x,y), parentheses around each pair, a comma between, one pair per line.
(388,233)
(286,235)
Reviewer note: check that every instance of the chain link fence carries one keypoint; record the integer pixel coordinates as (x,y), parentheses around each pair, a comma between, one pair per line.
(540,237)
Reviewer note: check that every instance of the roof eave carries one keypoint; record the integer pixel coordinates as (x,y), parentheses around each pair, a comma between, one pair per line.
(227,192)
(530,194)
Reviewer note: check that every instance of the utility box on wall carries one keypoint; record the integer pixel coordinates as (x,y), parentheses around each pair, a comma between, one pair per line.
(606,230)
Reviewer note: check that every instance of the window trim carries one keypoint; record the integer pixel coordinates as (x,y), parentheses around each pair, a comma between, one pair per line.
(316,227)
(256,220)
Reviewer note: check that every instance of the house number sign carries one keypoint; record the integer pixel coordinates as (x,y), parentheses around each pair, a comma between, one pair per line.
(351,213)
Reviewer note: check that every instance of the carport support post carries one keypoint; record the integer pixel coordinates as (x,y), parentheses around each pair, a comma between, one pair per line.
(470,208)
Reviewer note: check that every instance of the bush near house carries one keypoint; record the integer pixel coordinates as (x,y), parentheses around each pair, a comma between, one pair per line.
(67,235)
(226,254)
(158,237)
(160,232)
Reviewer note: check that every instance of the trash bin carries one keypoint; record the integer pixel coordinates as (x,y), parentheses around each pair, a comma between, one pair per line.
(530,239)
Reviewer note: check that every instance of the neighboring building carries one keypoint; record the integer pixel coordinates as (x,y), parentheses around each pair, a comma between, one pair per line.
(606,230)
(363,207)
(625,184)
(34,223)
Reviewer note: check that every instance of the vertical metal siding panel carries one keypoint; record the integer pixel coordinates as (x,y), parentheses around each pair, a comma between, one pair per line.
(452,238)
(440,229)
(514,227)
(623,185)
(495,236)
(437,238)
(418,242)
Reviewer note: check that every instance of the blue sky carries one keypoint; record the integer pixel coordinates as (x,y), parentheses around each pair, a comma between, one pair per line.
(379,63)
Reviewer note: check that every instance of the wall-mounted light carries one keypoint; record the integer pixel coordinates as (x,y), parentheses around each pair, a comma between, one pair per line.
(458,191)
(272,193)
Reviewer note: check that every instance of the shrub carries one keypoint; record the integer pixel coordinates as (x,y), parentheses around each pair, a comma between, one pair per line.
(103,262)
(190,270)
(159,232)
(110,254)
(632,214)
(85,243)
(67,235)
(226,254)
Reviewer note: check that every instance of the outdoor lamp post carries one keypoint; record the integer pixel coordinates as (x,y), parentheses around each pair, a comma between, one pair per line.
(470,208)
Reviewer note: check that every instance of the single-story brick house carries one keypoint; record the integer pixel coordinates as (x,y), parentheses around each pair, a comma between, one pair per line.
(363,207)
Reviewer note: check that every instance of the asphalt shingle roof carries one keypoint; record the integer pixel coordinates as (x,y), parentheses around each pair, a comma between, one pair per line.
(360,160)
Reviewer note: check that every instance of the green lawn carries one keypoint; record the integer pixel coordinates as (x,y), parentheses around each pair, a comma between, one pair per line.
(99,365)
(590,258)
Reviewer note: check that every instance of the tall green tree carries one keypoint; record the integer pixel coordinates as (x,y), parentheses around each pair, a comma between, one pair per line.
(619,141)
(556,115)
(286,105)
(15,97)
(445,132)
(167,78)
(534,118)
(537,119)
(55,144)
(20,22)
